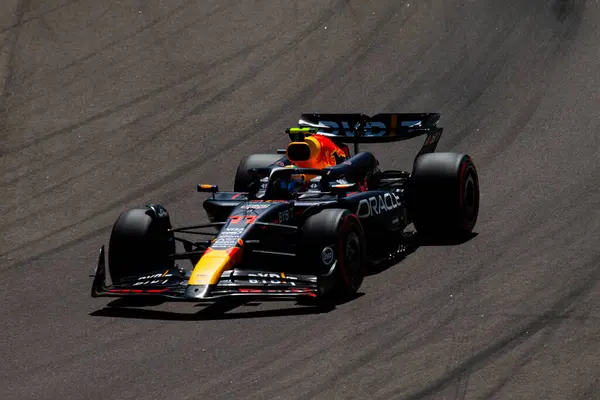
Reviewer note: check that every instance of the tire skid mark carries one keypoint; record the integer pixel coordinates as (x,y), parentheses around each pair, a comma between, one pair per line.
(551,206)
(557,46)
(131,35)
(23,21)
(555,321)
(247,134)
(490,68)
(345,63)
(110,110)
(99,138)
(146,139)
(456,386)
(119,61)
(11,42)
(489,354)
(89,352)
(434,306)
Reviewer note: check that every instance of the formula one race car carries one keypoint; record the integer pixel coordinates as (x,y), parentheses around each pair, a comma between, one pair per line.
(307,222)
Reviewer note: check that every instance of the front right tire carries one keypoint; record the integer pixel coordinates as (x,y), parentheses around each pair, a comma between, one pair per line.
(139,244)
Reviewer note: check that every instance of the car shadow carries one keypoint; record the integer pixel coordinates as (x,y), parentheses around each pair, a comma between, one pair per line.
(129,308)
(422,241)
(411,243)
(137,313)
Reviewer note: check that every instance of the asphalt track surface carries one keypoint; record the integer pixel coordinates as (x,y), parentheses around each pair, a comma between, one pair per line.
(109,105)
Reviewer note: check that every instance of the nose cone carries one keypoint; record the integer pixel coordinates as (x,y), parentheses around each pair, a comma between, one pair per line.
(212,264)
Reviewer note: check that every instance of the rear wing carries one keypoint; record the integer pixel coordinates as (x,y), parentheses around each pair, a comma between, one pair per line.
(380,128)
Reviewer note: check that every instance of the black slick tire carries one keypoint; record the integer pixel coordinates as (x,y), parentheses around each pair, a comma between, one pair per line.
(333,242)
(444,195)
(242,178)
(139,244)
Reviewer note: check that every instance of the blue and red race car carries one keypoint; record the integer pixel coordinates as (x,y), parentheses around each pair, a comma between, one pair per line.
(307,222)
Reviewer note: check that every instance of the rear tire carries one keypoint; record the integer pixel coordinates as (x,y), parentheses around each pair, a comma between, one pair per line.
(335,237)
(444,195)
(242,178)
(139,244)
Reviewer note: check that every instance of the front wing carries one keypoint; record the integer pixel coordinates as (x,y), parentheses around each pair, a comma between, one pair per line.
(173,285)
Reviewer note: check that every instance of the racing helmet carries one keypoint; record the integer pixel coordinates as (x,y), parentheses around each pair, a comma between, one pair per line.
(315,151)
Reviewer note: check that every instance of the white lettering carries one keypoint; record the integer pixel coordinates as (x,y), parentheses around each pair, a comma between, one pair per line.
(145,278)
(152,282)
(377,204)
(270,278)
(373,205)
(373,128)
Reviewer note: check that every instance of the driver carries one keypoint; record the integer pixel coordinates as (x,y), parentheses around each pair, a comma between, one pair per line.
(316,151)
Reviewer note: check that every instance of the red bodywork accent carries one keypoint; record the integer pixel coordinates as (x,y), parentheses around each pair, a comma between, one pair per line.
(138,290)
(292,290)
(237,218)
(346,150)
(234,253)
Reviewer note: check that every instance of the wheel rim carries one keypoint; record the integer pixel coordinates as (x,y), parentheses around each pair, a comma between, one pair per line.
(351,258)
(470,201)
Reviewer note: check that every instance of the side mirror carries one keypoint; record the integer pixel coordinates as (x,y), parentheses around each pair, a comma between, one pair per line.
(343,188)
(208,188)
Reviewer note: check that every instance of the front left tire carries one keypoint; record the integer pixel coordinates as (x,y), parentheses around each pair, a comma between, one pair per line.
(333,241)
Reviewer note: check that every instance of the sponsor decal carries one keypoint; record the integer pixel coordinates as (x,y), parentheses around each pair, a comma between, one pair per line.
(327,256)
(372,128)
(285,216)
(271,278)
(163,275)
(255,206)
(152,282)
(375,205)
(268,201)
(155,279)
(227,238)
